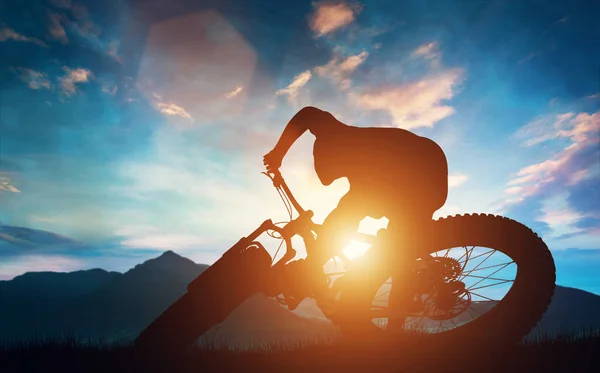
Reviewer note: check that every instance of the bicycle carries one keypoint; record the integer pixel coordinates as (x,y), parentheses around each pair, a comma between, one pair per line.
(447,309)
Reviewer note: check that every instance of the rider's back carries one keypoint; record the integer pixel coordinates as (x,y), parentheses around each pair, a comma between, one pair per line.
(381,157)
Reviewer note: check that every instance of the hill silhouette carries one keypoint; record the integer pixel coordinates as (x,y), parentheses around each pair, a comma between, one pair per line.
(117,306)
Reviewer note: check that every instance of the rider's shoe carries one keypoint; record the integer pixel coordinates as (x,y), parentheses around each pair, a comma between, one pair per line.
(303,281)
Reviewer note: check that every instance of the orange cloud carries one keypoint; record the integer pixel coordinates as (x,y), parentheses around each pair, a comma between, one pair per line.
(72,77)
(299,81)
(339,71)
(416,104)
(329,17)
(234,93)
(170,109)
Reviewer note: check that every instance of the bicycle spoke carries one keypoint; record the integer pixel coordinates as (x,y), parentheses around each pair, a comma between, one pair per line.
(482,254)
(488,286)
(470,314)
(475,310)
(484,297)
(491,274)
(467,251)
(490,278)
(488,267)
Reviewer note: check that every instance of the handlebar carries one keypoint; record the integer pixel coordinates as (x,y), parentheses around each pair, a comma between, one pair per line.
(305,216)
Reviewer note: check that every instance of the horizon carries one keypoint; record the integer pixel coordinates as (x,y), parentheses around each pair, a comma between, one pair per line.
(205,264)
(133,129)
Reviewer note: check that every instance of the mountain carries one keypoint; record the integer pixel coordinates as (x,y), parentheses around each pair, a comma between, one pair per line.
(121,305)
(96,303)
(571,310)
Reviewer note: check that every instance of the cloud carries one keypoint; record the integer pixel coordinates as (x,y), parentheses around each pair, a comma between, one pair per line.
(113,49)
(415,104)
(56,29)
(169,108)
(331,16)
(339,70)
(560,217)
(5,184)
(234,93)
(594,96)
(10,34)
(213,194)
(34,79)
(574,170)
(110,89)
(165,241)
(299,81)
(456,179)
(428,51)
(544,128)
(172,110)
(72,77)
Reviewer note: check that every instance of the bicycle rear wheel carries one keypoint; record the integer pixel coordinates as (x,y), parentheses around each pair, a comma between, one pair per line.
(478,317)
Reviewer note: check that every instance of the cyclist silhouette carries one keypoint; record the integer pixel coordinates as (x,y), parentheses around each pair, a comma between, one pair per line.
(392,173)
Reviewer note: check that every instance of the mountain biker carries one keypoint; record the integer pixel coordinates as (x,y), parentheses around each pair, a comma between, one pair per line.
(392,173)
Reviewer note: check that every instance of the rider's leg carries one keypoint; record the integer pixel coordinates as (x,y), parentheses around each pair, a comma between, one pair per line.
(410,226)
(308,274)
(337,227)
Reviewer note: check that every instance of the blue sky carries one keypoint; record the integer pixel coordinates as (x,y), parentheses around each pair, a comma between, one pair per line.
(137,126)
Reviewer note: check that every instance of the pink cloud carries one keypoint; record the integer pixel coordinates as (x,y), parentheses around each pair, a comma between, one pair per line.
(428,51)
(416,104)
(10,34)
(338,70)
(568,125)
(56,29)
(72,77)
(34,79)
(330,16)
(576,164)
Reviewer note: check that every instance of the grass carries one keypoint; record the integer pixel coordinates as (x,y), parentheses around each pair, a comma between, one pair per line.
(566,353)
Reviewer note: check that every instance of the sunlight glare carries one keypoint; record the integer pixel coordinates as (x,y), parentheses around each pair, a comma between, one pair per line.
(355,249)
(368,225)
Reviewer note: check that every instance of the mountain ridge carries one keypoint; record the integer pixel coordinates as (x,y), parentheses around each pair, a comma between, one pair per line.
(119,305)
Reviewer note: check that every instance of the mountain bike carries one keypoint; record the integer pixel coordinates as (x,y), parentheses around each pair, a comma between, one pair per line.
(474,279)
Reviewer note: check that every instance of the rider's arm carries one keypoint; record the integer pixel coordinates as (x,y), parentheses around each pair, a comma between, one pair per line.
(308,118)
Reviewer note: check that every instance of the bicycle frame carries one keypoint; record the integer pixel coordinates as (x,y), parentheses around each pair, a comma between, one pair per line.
(302,225)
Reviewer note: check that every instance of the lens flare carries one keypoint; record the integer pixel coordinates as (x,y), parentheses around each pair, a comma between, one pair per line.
(355,249)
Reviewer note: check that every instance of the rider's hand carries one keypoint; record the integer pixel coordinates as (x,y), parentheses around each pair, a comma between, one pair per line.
(272,160)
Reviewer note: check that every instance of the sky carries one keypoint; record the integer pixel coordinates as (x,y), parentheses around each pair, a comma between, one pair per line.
(135,127)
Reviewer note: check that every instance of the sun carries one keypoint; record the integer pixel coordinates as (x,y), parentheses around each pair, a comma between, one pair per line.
(368,225)
(355,249)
